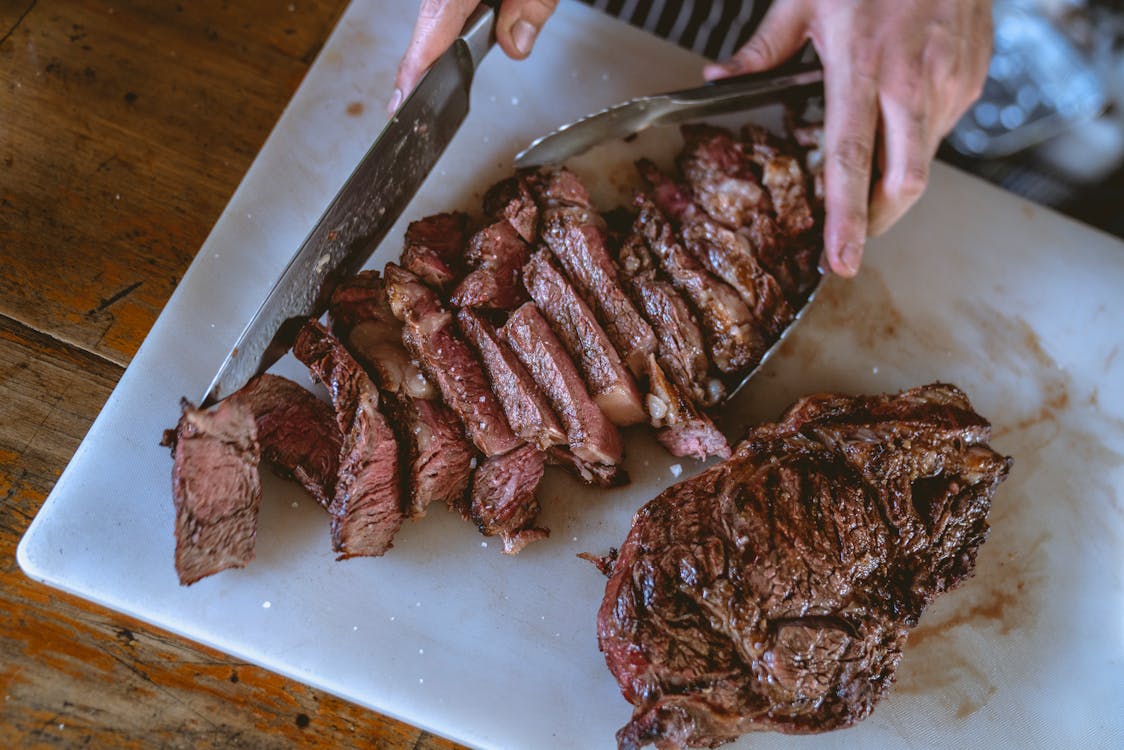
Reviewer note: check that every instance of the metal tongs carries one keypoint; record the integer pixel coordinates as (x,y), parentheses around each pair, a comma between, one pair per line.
(792,82)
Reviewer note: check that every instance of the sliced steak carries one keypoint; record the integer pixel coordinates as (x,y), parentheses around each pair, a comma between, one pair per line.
(733,342)
(720,175)
(787,186)
(557,187)
(593,474)
(511,200)
(793,262)
(216,489)
(297,432)
(366,509)
(683,429)
(438,456)
(669,196)
(503,497)
(435,248)
(590,434)
(524,403)
(497,254)
(580,248)
(430,336)
(775,591)
(610,383)
(729,256)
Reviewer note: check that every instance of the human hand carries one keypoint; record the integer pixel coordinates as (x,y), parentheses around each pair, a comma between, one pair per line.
(440,21)
(909,67)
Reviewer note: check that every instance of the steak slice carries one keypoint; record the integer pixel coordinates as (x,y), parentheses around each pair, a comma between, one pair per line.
(775,591)
(590,434)
(497,253)
(430,336)
(366,509)
(729,256)
(733,342)
(511,200)
(721,175)
(579,245)
(216,489)
(438,456)
(590,473)
(793,262)
(435,248)
(669,196)
(682,353)
(503,497)
(525,405)
(683,429)
(297,432)
(787,186)
(610,383)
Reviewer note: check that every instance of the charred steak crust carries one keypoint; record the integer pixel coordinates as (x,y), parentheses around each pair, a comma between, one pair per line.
(496,253)
(435,248)
(297,432)
(776,590)
(503,497)
(366,509)
(216,489)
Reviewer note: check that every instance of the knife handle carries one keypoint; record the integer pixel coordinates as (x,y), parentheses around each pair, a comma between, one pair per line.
(477,37)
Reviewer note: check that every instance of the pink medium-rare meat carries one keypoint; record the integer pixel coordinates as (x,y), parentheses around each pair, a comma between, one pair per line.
(435,248)
(366,509)
(216,489)
(683,429)
(580,248)
(671,197)
(526,406)
(775,591)
(589,433)
(438,456)
(721,176)
(297,432)
(503,497)
(610,383)
(511,200)
(729,256)
(497,254)
(430,336)
(733,342)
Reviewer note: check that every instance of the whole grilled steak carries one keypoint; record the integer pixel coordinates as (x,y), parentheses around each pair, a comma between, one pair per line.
(775,591)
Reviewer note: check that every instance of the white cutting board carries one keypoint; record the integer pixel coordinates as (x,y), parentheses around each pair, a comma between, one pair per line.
(1021,308)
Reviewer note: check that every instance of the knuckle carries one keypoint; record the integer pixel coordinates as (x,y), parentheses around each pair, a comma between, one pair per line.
(912,181)
(853,154)
(758,50)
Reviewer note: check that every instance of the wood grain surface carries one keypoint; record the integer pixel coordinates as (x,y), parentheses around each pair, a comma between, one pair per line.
(124,128)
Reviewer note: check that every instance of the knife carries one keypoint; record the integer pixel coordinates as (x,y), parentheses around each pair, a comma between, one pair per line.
(365,208)
(718,97)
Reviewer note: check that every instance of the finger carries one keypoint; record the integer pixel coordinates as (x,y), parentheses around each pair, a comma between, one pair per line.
(779,36)
(519,24)
(439,22)
(850,119)
(910,140)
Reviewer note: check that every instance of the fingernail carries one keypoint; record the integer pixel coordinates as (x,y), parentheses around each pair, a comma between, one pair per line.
(719,70)
(395,100)
(850,257)
(523,34)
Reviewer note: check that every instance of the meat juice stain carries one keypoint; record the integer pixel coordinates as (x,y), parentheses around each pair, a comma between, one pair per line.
(355,109)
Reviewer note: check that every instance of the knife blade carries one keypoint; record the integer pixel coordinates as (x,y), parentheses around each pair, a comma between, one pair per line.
(625,119)
(368,204)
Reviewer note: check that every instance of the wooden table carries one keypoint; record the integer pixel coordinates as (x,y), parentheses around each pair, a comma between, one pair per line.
(124,128)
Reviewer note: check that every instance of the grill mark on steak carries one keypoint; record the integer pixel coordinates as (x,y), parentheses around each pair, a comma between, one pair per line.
(775,591)
(503,497)
(435,248)
(438,456)
(216,488)
(721,176)
(511,200)
(430,337)
(733,343)
(683,429)
(526,407)
(366,508)
(611,385)
(728,256)
(589,433)
(682,353)
(497,253)
(297,432)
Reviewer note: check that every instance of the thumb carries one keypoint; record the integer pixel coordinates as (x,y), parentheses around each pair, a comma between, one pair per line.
(519,24)
(780,36)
